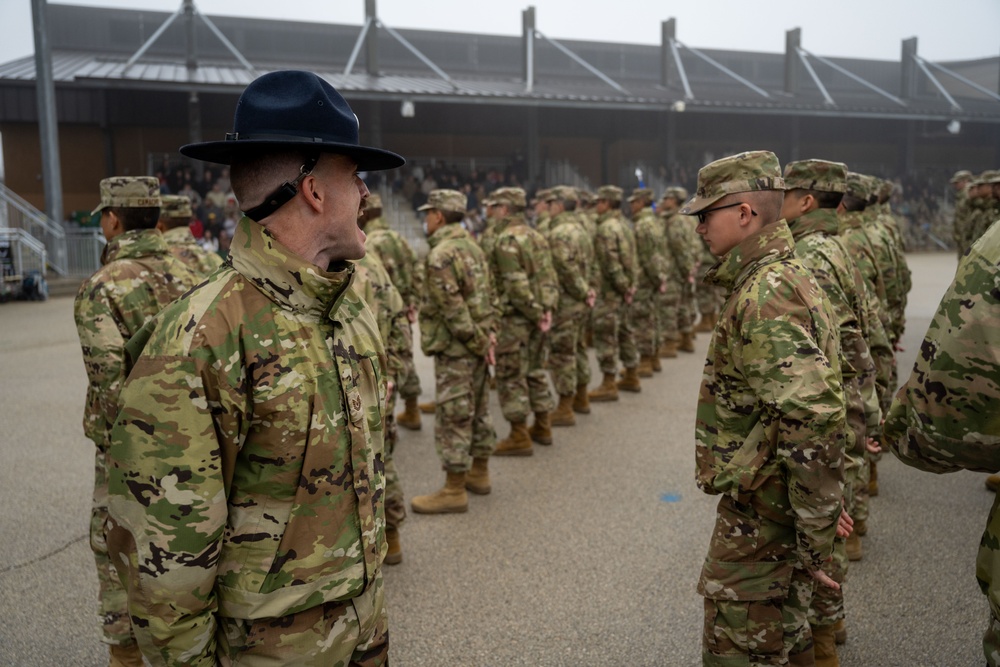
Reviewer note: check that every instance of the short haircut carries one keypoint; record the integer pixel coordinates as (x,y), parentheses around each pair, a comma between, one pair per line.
(823,198)
(452,216)
(569,204)
(852,203)
(135,217)
(174,223)
(767,203)
(254,177)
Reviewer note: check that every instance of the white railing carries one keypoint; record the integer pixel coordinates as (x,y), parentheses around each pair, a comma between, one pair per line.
(83,251)
(16,213)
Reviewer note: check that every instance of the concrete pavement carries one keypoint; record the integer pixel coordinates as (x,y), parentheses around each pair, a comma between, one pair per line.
(586,553)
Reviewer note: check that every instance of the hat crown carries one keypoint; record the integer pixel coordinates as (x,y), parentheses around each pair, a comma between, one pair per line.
(610,192)
(509,197)
(819,175)
(176,206)
(129,192)
(447,200)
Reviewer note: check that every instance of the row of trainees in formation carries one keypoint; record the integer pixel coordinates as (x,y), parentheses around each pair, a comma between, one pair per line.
(977,206)
(246,495)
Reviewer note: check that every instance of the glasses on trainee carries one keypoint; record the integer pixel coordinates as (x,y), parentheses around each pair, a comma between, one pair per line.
(703,215)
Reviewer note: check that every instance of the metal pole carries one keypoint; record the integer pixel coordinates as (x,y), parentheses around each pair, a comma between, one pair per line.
(48,124)
(937,84)
(968,82)
(583,63)
(815,78)
(688,95)
(155,36)
(357,46)
(851,75)
(722,68)
(371,44)
(528,38)
(415,51)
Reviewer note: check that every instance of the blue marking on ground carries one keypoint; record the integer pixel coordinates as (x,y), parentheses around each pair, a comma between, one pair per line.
(670,497)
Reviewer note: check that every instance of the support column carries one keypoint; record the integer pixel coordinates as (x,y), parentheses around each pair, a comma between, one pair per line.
(907,151)
(793,40)
(670,140)
(48,124)
(533,149)
(528,39)
(908,69)
(668,33)
(794,139)
(194,103)
(371,41)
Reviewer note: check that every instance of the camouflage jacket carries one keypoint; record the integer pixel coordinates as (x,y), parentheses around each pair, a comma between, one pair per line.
(821,251)
(138,279)
(946,417)
(488,243)
(543,225)
(684,245)
(526,282)
(182,245)
(589,222)
(456,317)
(572,258)
(960,226)
(890,222)
(860,248)
(771,424)
(656,264)
(376,288)
(246,465)
(614,251)
(984,213)
(398,259)
(888,260)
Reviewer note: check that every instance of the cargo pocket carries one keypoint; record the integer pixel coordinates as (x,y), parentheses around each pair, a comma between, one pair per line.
(765,630)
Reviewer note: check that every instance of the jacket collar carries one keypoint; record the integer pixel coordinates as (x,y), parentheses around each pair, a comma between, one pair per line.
(453,230)
(134,244)
(771,244)
(820,221)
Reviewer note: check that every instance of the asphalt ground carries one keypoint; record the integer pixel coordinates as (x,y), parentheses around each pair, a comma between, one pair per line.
(587,553)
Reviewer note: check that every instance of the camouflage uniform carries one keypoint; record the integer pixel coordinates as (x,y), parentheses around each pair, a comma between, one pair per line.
(770,436)
(376,288)
(402,264)
(527,288)
(946,417)
(960,217)
(139,277)
(656,268)
(821,251)
(181,240)
(247,467)
(456,320)
(615,275)
(684,246)
(572,260)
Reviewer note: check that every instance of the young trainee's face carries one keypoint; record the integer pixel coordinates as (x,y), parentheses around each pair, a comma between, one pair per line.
(721,228)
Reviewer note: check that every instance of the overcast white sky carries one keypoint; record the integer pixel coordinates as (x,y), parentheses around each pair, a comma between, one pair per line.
(953,30)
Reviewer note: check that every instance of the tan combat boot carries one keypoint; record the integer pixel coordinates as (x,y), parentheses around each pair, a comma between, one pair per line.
(707,323)
(669,349)
(428,408)
(645,369)
(477,480)
(450,499)
(606,391)
(581,402)
(395,554)
(518,443)
(655,363)
(825,646)
(840,632)
(410,416)
(861,527)
(993,482)
(687,342)
(563,415)
(125,656)
(541,430)
(854,550)
(630,381)
(873,482)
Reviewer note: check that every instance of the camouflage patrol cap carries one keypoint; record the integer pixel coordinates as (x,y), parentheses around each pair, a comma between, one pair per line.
(610,193)
(541,195)
(676,192)
(129,192)
(885,188)
(585,196)
(513,197)
(563,193)
(745,172)
(445,200)
(175,207)
(374,201)
(961,175)
(644,194)
(859,186)
(819,175)
(988,176)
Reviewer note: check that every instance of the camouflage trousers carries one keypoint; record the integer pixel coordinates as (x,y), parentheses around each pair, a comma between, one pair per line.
(353,632)
(112,601)
(410,383)
(827,605)
(991,642)
(646,321)
(522,355)
(614,338)
(463,426)
(568,361)
(668,306)
(686,309)
(756,601)
(395,505)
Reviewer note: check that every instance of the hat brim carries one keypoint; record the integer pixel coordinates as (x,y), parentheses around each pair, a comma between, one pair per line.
(697,204)
(97,210)
(223,152)
(425,207)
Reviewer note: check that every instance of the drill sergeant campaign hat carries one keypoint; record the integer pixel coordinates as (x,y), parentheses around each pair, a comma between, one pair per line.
(292,109)
(745,172)
(176,207)
(819,175)
(512,197)
(445,200)
(641,194)
(129,192)
(611,193)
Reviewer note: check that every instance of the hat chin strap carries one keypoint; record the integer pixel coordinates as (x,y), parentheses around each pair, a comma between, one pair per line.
(283,194)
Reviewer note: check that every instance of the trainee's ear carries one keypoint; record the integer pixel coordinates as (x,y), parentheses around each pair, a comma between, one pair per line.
(312,191)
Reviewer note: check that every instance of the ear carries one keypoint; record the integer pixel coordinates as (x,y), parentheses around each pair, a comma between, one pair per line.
(311,190)
(806,203)
(160,227)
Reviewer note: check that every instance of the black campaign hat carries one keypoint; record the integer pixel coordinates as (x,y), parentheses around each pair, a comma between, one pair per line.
(292,108)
